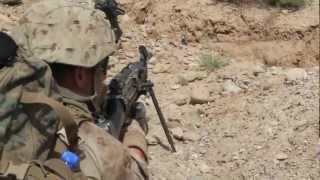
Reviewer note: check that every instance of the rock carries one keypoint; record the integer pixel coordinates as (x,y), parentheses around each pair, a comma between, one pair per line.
(200,95)
(192,116)
(296,74)
(130,55)
(231,87)
(125,18)
(258,69)
(181,99)
(281,156)
(201,75)
(191,76)
(203,151)
(204,168)
(211,78)
(152,140)
(191,136)
(173,112)
(285,11)
(270,59)
(194,66)
(177,133)
(175,86)
(272,82)
(186,78)
(275,70)
(181,80)
(6,24)
(159,68)
(179,176)
(4,18)
(153,60)
(173,124)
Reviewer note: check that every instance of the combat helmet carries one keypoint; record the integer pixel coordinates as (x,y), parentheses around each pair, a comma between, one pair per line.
(65,31)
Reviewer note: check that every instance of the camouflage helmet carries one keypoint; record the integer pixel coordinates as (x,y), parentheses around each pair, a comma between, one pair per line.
(69,32)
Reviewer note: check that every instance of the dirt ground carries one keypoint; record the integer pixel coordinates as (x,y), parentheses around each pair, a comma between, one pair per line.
(257,117)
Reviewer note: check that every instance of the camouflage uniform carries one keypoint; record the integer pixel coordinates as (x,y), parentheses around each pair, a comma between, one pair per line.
(76,34)
(106,156)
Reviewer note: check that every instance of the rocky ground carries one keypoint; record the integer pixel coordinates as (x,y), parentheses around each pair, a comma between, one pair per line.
(255,118)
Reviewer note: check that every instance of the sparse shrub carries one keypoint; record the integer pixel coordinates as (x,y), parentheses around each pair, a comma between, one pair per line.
(212,62)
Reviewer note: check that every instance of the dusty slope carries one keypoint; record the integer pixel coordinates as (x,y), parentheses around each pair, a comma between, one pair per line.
(267,130)
(248,32)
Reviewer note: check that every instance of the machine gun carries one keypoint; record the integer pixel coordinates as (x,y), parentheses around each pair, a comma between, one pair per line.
(124,91)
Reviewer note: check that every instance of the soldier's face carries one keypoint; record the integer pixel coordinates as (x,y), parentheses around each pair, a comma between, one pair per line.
(84,80)
(89,81)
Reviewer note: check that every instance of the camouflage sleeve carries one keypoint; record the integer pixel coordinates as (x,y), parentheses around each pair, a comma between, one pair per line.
(104,157)
(135,137)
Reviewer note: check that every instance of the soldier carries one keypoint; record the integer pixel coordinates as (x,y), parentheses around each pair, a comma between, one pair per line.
(76,40)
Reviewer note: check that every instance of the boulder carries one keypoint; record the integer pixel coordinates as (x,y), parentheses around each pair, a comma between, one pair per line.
(200,95)
(177,133)
(296,74)
(230,87)
(181,99)
(281,156)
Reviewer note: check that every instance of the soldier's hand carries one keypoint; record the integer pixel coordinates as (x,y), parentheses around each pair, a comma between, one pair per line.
(139,114)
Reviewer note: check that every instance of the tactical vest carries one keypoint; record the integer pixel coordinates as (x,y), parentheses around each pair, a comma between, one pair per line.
(30,117)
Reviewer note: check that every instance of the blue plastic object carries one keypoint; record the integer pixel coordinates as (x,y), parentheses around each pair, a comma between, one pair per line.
(71,159)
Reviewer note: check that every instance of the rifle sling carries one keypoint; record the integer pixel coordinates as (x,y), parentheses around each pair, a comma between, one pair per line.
(64,115)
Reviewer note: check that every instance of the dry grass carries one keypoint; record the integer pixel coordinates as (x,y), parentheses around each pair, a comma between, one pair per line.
(212,62)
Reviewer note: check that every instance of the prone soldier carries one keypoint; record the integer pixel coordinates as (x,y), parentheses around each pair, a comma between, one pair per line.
(75,40)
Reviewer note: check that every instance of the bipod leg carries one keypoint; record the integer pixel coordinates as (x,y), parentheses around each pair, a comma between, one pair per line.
(161,117)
